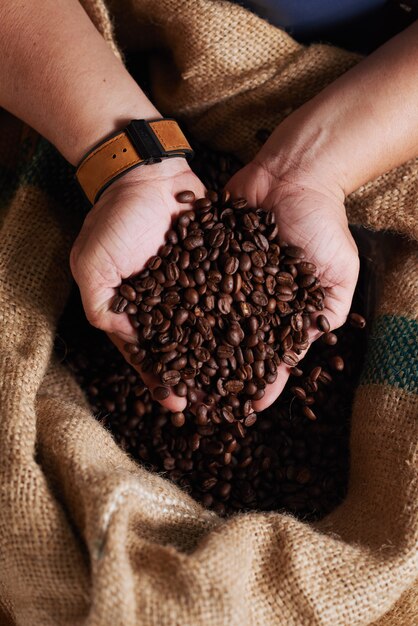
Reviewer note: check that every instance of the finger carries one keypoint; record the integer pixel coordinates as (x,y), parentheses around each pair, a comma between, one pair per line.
(105,318)
(319,327)
(172,403)
(273,391)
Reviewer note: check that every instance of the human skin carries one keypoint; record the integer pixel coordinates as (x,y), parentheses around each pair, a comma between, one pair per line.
(59,76)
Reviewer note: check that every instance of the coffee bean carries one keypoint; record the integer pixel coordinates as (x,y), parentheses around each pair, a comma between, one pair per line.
(295,252)
(127,292)
(119,304)
(234,386)
(258,258)
(337,363)
(231,265)
(330,339)
(245,262)
(170,378)
(356,320)
(235,335)
(307,412)
(227,284)
(172,272)
(178,419)
(192,242)
(299,392)
(240,203)
(290,358)
(191,296)
(185,197)
(203,203)
(307,280)
(138,357)
(315,373)
(323,323)
(259,298)
(181,389)
(160,393)
(154,262)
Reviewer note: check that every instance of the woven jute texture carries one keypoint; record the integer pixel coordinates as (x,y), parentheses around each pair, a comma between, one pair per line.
(87,536)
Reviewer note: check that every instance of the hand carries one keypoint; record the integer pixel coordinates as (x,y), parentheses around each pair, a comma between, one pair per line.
(310,215)
(125,227)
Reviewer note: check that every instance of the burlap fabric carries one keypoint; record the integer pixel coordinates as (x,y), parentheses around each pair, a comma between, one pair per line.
(87,537)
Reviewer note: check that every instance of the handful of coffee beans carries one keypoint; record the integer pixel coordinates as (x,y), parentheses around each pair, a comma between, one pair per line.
(220,307)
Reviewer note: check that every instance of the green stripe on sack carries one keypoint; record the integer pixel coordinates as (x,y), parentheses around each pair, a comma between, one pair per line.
(392,355)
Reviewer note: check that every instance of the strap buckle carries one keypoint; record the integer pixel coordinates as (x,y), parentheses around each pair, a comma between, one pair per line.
(145,141)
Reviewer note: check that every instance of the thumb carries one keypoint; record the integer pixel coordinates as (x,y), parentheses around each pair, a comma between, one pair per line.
(97,290)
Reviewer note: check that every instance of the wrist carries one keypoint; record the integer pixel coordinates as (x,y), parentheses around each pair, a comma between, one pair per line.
(299,153)
(98,123)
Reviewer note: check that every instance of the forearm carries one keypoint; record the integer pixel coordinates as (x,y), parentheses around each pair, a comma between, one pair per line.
(60,76)
(362,125)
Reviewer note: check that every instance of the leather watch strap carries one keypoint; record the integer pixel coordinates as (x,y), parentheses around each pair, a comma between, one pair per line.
(139,143)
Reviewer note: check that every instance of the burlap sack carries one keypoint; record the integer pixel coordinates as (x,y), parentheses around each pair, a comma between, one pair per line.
(87,537)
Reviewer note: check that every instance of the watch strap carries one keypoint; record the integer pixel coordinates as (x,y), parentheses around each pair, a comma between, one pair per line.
(141,142)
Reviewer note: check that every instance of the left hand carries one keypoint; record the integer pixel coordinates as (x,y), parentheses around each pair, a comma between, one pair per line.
(310,214)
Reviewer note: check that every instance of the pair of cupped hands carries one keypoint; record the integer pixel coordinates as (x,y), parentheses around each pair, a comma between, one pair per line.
(128,223)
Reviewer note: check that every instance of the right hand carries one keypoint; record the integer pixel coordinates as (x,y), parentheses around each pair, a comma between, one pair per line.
(125,227)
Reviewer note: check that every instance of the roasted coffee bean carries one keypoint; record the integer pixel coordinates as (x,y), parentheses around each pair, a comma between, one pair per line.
(160,393)
(119,304)
(227,284)
(178,419)
(306,280)
(323,323)
(192,242)
(203,203)
(306,268)
(308,413)
(181,389)
(290,358)
(356,320)
(154,262)
(337,363)
(180,316)
(259,298)
(245,262)
(127,292)
(234,386)
(185,197)
(231,265)
(330,339)
(258,258)
(191,296)
(235,335)
(172,271)
(315,373)
(299,392)
(239,203)
(170,378)
(138,357)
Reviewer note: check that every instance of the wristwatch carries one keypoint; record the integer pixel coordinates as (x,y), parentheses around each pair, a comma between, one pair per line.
(142,142)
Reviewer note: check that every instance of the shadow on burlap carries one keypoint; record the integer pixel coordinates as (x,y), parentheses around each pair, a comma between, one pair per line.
(87,537)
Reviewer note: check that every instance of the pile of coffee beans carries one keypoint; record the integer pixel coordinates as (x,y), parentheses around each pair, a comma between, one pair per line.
(220,307)
(285,461)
